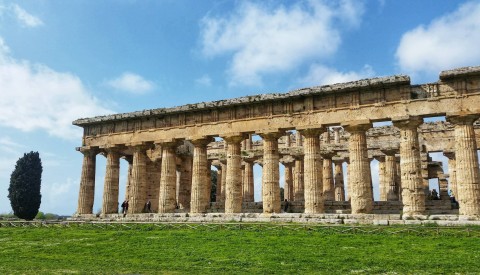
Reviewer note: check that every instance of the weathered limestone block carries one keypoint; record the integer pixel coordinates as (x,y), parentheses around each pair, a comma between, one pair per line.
(271,173)
(233,187)
(248,183)
(87,182)
(200,180)
(110,188)
(413,194)
(359,179)
(468,179)
(339,185)
(314,200)
(168,179)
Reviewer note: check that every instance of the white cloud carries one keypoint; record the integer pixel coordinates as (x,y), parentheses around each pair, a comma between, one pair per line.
(130,82)
(322,75)
(449,41)
(266,39)
(205,80)
(34,97)
(26,18)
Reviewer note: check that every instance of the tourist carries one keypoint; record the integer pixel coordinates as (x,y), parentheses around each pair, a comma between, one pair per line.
(285,207)
(148,206)
(434,194)
(123,207)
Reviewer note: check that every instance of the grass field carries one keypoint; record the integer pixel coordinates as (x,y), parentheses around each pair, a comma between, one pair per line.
(150,250)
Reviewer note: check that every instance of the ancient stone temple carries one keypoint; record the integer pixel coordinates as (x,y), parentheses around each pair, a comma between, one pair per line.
(322,136)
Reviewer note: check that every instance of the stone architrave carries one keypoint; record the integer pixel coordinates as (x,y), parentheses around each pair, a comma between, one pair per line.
(138,185)
(359,179)
(298,183)
(339,185)
(233,185)
(87,181)
(413,193)
(248,183)
(314,200)
(199,199)
(185,183)
(111,184)
(467,172)
(271,173)
(328,183)
(168,179)
(452,171)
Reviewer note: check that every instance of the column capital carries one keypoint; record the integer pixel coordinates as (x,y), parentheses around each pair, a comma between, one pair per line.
(462,119)
(357,126)
(201,141)
(449,154)
(87,150)
(379,158)
(390,151)
(311,132)
(271,135)
(407,122)
(234,138)
(327,154)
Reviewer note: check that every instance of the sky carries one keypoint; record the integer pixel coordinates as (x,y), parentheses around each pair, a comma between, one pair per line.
(64,60)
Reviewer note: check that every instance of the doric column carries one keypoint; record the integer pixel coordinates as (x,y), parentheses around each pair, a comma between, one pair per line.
(287,139)
(218,192)
(168,179)
(185,185)
(298,184)
(233,186)
(328,184)
(359,179)
(87,182)
(314,201)
(110,187)
(336,135)
(224,182)
(382,183)
(154,169)
(339,185)
(298,139)
(248,184)
(271,173)
(398,178)
(467,172)
(288,186)
(390,176)
(413,193)
(452,172)
(129,159)
(138,184)
(199,199)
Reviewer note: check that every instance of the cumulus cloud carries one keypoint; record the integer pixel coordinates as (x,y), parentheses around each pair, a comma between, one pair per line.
(132,83)
(25,18)
(35,97)
(264,39)
(449,41)
(322,75)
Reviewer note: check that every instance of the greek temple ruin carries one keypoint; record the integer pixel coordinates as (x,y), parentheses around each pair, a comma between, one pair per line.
(322,136)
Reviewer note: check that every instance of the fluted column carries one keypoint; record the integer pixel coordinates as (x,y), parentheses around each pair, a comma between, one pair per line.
(248,184)
(110,187)
(218,192)
(467,172)
(328,184)
(199,200)
(185,186)
(271,173)
(452,172)
(413,193)
(87,182)
(336,135)
(168,179)
(382,183)
(298,183)
(224,183)
(233,187)
(359,180)
(314,200)
(138,185)
(288,186)
(390,176)
(129,159)
(339,185)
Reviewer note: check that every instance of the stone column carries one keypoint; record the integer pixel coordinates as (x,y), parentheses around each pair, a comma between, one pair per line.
(452,172)
(298,184)
(288,186)
(129,159)
(87,182)
(314,200)
(168,179)
(467,172)
(336,135)
(248,184)
(339,186)
(390,176)
(382,183)
(271,173)
(413,193)
(185,186)
(138,185)
(359,179)
(328,184)
(233,186)
(218,192)
(298,139)
(224,183)
(199,199)
(110,188)
(398,178)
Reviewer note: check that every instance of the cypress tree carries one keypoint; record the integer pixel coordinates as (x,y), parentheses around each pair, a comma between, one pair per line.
(24,190)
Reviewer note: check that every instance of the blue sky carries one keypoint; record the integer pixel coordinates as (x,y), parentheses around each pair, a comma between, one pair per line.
(63,60)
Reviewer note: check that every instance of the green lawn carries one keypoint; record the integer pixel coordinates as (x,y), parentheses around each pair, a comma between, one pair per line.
(150,250)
